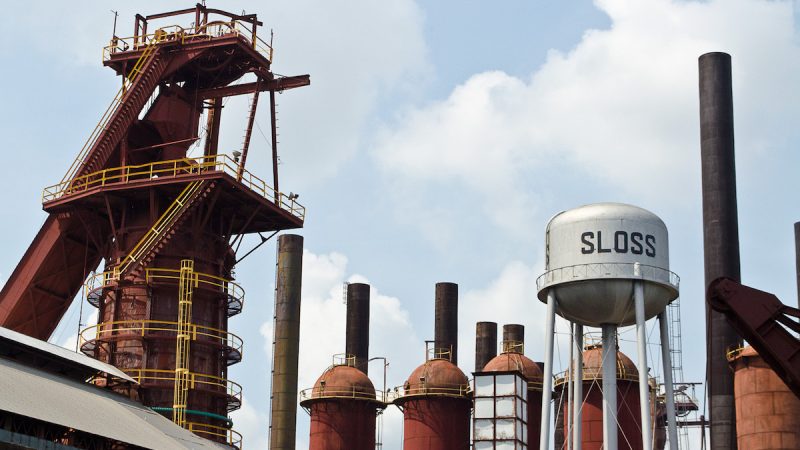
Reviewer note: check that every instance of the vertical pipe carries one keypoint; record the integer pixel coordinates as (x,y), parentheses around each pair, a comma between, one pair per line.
(609,388)
(570,386)
(720,234)
(485,344)
(286,342)
(669,392)
(357,328)
(513,338)
(797,258)
(644,382)
(578,395)
(446,319)
(273,117)
(547,388)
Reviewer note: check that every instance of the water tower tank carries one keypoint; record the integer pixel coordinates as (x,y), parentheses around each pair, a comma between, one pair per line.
(594,253)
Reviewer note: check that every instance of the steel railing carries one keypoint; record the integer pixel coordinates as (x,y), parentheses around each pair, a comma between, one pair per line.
(607,270)
(173,168)
(166,377)
(231,436)
(403,392)
(121,328)
(177,34)
(357,393)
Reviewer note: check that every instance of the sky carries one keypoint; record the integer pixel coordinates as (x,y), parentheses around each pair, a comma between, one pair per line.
(434,143)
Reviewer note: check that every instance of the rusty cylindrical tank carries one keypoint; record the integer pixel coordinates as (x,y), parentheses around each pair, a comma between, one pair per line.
(485,344)
(342,406)
(512,359)
(767,412)
(629,435)
(436,407)
(357,328)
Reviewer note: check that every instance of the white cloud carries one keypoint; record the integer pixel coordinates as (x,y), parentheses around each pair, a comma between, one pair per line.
(251,424)
(620,109)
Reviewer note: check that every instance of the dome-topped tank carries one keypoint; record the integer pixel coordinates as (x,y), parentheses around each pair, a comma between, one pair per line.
(343,381)
(437,377)
(510,361)
(594,253)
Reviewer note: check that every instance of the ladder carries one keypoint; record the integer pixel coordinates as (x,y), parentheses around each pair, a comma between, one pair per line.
(164,228)
(186,284)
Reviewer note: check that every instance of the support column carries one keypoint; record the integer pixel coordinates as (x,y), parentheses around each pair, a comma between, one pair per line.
(570,387)
(578,387)
(286,342)
(547,382)
(644,382)
(610,428)
(666,361)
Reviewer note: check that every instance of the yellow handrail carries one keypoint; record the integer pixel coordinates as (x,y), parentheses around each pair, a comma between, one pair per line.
(173,168)
(121,328)
(196,380)
(231,436)
(115,102)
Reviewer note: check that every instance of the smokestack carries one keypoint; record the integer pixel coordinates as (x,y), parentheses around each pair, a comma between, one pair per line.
(513,338)
(720,234)
(485,344)
(446,319)
(286,342)
(357,333)
(797,258)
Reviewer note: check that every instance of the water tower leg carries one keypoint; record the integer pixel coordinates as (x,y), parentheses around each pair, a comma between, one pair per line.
(644,381)
(609,387)
(578,387)
(672,426)
(570,386)
(547,388)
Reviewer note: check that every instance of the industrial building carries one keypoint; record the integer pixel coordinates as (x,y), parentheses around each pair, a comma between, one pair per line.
(151,236)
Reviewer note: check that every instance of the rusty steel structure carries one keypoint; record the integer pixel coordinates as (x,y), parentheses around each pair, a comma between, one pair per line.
(628,417)
(343,404)
(767,412)
(720,234)
(137,200)
(436,397)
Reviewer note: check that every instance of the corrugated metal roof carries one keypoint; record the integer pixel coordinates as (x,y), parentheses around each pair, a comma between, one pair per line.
(61,353)
(54,399)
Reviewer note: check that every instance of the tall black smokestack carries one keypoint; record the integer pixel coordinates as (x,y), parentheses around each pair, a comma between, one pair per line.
(446,319)
(797,258)
(513,338)
(357,333)
(286,342)
(720,235)
(485,344)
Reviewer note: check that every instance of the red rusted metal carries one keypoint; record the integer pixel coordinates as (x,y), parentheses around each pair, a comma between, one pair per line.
(767,412)
(766,323)
(106,220)
(628,417)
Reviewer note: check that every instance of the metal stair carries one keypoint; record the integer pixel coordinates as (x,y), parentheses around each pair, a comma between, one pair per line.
(163,230)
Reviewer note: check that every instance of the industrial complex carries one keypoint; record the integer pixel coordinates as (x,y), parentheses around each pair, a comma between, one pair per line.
(149,236)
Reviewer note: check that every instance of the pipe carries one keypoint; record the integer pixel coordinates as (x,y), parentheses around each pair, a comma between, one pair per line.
(797,258)
(485,344)
(357,328)
(570,386)
(669,391)
(547,382)
(578,387)
(193,412)
(609,388)
(446,319)
(286,342)
(513,338)
(641,341)
(720,235)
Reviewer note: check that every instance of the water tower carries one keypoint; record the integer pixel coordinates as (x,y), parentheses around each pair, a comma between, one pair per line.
(607,265)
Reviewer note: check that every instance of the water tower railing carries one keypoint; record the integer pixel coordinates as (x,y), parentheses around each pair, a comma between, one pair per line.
(607,270)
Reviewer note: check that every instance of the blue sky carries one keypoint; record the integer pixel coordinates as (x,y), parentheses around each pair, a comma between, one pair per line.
(436,140)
